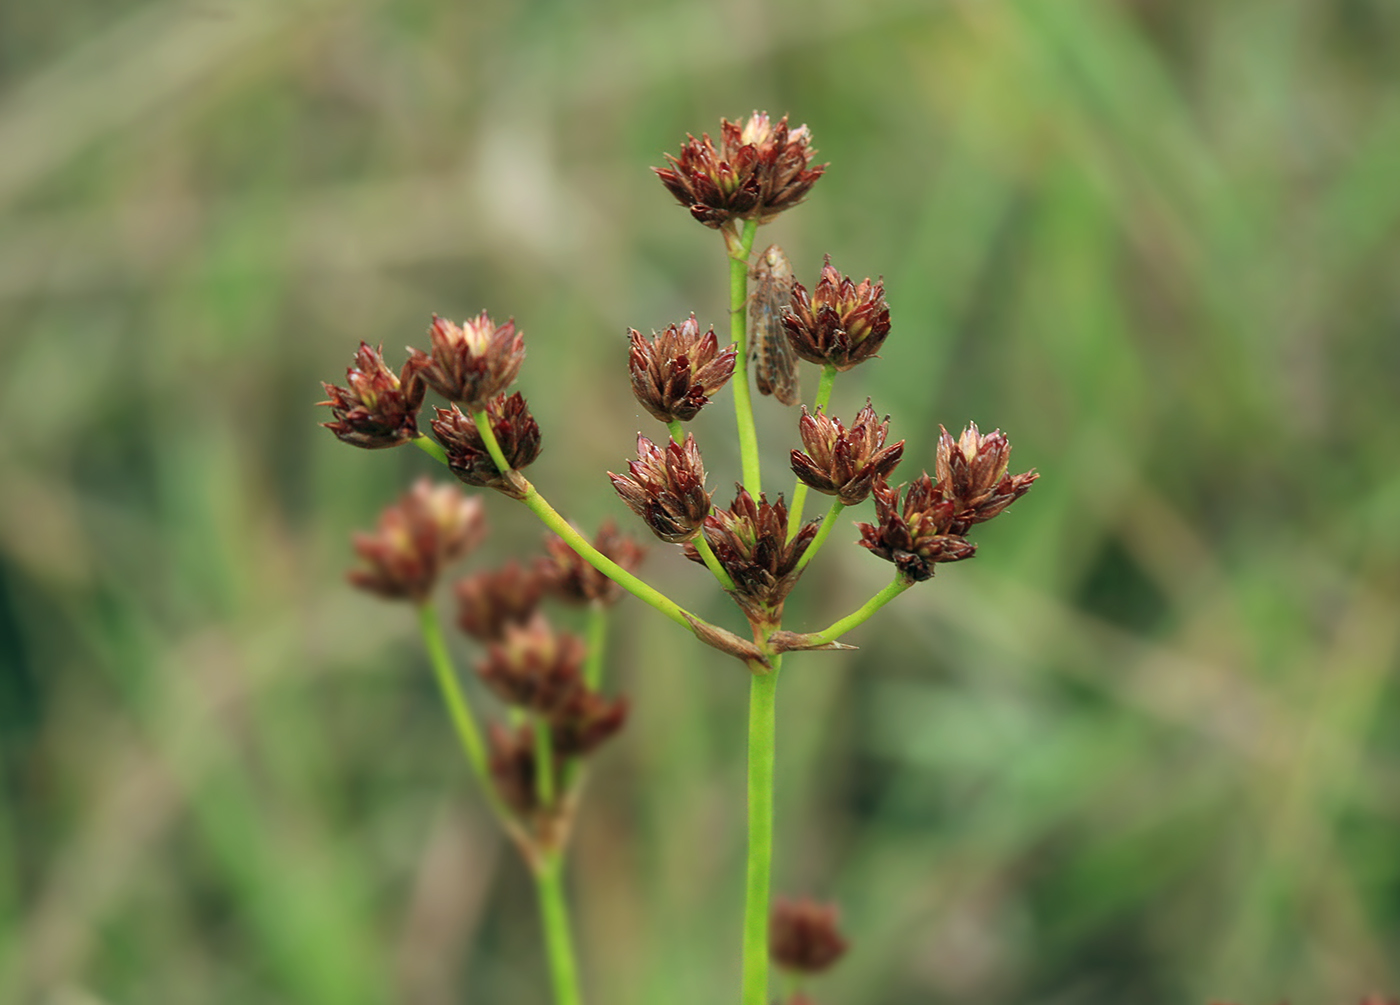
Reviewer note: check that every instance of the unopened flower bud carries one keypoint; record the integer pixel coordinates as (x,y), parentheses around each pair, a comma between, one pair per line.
(841,323)
(675,374)
(920,536)
(416,538)
(804,937)
(470,363)
(750,539)
(571,579)
(666,488)
(378,409)
(516,431)
(534,666)
(972,475)
(585,722)
(488,601)
(844,462)
(759,169)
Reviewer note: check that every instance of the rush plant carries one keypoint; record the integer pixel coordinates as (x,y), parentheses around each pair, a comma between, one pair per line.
(755,549)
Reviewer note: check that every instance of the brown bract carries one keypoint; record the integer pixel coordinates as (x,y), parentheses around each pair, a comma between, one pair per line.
(803,935)
(841,323)
(845,462)
(917,537)
(379,409)
(972,474)
(488,601)
(675,374)
(571,579)
(750,539)
(666,488)
(516,431)
(427,529)
(759,169)
(533,666)
(472,362)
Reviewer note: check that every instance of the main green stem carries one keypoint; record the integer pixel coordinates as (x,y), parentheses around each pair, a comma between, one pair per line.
(799,492)
(559,943)
(763,691)
(738,329)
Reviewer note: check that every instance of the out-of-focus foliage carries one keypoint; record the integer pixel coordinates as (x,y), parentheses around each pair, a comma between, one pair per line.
(1143,749)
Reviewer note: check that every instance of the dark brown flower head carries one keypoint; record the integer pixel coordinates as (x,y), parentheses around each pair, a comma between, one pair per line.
(516,431)
(750,539)
(804,937)
(416,538)
(488,601)
(569,578)
(378,409)
(533,666)
(972,475)
(470,363)
(918,537)
(841,323)
(676,373)
(759,169)
(585,722)
(844,462)
(666,488)
(514,769)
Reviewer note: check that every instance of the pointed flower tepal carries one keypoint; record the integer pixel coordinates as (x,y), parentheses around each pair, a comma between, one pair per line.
(845,462)
(426,530)
(666,488)
(842,323)
(972,475)
(675,374)
(379,409)
(759,169)
(470,363)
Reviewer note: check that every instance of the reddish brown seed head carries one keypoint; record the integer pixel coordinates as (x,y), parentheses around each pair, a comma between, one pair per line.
(533,666)
(488,601)
(917,536)
(972,475)
(470,363)
(675,373)
(842,323)
(804,937)
(416,538)
(378,409)
(666,488)
(845,462)
(585,722)
(516,431)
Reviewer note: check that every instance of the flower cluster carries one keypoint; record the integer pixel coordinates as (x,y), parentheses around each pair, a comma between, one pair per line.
(845,462)
(666,488)
(378,409)
(429,528)
(759,169)
(470,363)
(469,456)
(841,323)
(676,373)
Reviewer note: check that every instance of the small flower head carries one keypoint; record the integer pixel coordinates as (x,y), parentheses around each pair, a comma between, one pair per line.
(841,323)
(972,475)
(666,488)
(569,578)
(750,539)
(804,938)
(416,538)
(514,770)
(585,722)
(845,462)
(917,537)
(759,169)
(473,362)
(378,409)
(676,373)
(534,666)
(516,431)
(488,601)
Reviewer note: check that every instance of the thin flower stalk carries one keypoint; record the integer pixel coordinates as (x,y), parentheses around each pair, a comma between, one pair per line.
(828,524)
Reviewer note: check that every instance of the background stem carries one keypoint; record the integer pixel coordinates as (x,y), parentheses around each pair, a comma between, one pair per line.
(554,915)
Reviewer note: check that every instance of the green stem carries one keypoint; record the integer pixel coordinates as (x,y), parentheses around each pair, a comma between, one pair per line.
(763,689)
(488,436)
(597,641)
(431,447)
(707,553)
(823,532)
(738,328)
(862,615)
(554,915)
(799,493)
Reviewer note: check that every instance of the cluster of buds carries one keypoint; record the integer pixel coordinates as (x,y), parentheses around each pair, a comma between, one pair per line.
(929,527)
(751,541)
(666,488)
(842,323)
(803,939)
(675,374)
(845,462)
(471,365)
(429,528)
(759,169)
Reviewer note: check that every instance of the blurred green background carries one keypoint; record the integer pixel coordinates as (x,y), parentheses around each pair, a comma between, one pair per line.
(1143,749)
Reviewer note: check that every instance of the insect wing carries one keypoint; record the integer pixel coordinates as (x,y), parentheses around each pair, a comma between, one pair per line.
(774,362)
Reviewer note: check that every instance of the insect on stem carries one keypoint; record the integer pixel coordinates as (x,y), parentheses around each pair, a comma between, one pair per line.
(774,361)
